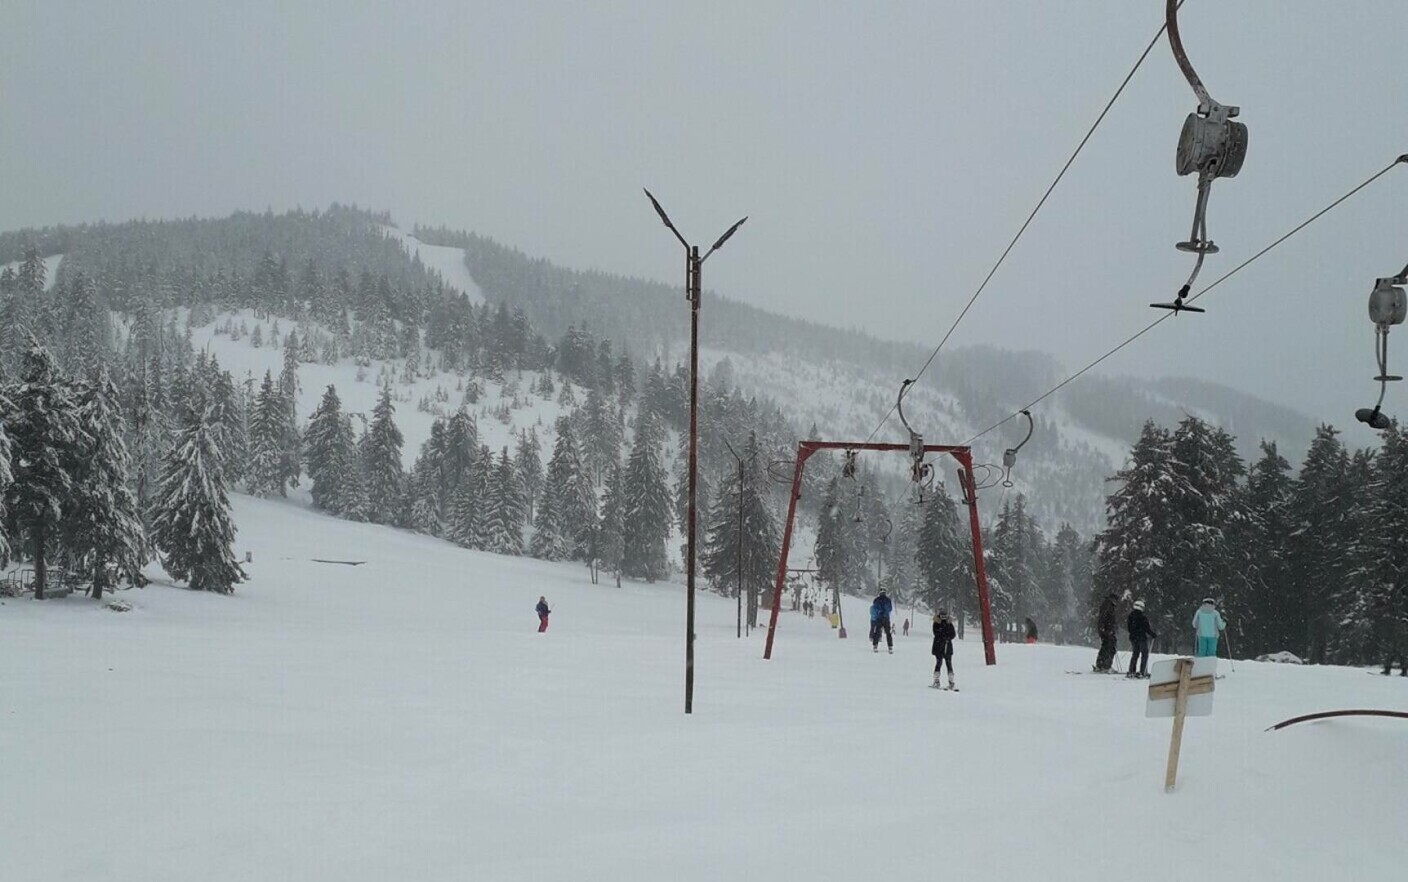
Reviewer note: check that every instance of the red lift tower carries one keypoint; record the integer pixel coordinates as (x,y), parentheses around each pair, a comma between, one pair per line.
(963,455)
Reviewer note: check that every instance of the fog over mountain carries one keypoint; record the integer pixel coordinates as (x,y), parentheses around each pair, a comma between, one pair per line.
(885,156)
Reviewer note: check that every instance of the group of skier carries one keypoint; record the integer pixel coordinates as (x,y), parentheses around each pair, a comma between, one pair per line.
(1208,627)
(942,649)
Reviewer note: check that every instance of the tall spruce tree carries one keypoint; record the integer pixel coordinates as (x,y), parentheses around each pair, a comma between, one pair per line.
(503,528)
(1133,550)
(1320,531)
(381,460)
(103,535)
(741,531)
(647,505)
(192,528)
(45,440)
(267,475)
(611,544)
(528,462)
(1269,491)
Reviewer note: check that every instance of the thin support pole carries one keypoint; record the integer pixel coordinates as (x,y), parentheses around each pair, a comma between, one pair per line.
(740,549)
(802,453)
(695,266)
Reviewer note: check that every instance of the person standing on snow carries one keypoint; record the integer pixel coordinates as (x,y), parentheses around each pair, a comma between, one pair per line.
(1139,633)
(1207,628)
(1031,630)
(905,629)
(1105,626)
(880,611)
(543,612)
(943,646)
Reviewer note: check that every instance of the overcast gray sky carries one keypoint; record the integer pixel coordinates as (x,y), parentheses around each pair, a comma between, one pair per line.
(886,153)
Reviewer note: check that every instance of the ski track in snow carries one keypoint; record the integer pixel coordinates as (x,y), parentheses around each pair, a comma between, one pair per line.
(403,720)
(447,261)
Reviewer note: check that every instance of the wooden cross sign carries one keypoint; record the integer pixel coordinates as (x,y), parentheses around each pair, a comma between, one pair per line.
(1179,688)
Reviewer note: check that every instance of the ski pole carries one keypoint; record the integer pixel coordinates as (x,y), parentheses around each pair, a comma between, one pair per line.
(1227,634)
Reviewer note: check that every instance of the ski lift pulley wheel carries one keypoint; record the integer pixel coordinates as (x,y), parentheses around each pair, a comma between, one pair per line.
(1212,144)
(1388,304)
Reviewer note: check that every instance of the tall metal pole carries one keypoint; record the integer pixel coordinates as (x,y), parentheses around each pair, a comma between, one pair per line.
(695,265)
(740,549)
(693,269)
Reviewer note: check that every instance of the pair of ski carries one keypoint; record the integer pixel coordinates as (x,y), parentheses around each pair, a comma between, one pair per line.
(949,688)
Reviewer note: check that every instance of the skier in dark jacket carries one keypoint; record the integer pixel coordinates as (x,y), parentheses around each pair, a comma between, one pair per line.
(943,646)
(880,621)
(1031,630)
(543,611)
(1139,634)
(1105,627)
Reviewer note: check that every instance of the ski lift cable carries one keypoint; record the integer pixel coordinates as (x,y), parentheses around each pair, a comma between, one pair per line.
(1161,319)
(1008,250)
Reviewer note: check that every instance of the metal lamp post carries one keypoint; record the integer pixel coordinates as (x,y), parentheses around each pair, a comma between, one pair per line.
(693,270)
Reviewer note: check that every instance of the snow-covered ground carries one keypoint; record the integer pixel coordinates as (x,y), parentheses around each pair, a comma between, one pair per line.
(401,719)
(447,261)
(51,268)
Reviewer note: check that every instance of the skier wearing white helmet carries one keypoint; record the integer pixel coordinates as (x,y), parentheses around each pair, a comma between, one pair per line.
(1137,624)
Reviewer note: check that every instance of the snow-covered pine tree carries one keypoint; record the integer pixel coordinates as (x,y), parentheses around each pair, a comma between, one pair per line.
(87,328)
(601,433)
(1269,491)
(102,533)
(19,315)
(1133,549)
(610,545)
(267,475)
(503,529)
(755,539)
(45,438)
(148,424)
(1071,573)
(326,439)
(647,505)
(528,462)
(228,413)
(1320,528)
(573,499)
(381,460)
(192,528)
(426,487)
(288,393)
(944,558)
(831,549)
(1365,598)
(1209,510)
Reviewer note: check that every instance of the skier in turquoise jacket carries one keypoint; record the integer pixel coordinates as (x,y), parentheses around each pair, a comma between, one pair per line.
(1208,627)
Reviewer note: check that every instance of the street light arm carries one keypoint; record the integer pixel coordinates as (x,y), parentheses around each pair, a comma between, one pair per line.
(724,238)
(665,217)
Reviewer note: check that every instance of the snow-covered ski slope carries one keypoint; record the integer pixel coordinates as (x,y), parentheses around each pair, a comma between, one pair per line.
(402,719)
(447,261)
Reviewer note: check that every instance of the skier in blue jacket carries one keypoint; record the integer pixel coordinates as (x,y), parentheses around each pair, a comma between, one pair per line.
(880,621)
(1207,627)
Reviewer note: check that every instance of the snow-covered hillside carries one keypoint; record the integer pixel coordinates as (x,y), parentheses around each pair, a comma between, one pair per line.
(445,392)
(401,719)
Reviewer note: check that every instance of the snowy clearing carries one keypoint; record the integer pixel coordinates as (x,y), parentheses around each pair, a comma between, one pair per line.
(401,719)
(445,260)
(51,268)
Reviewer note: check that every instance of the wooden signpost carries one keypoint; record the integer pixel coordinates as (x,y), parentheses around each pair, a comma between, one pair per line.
(1180,688)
